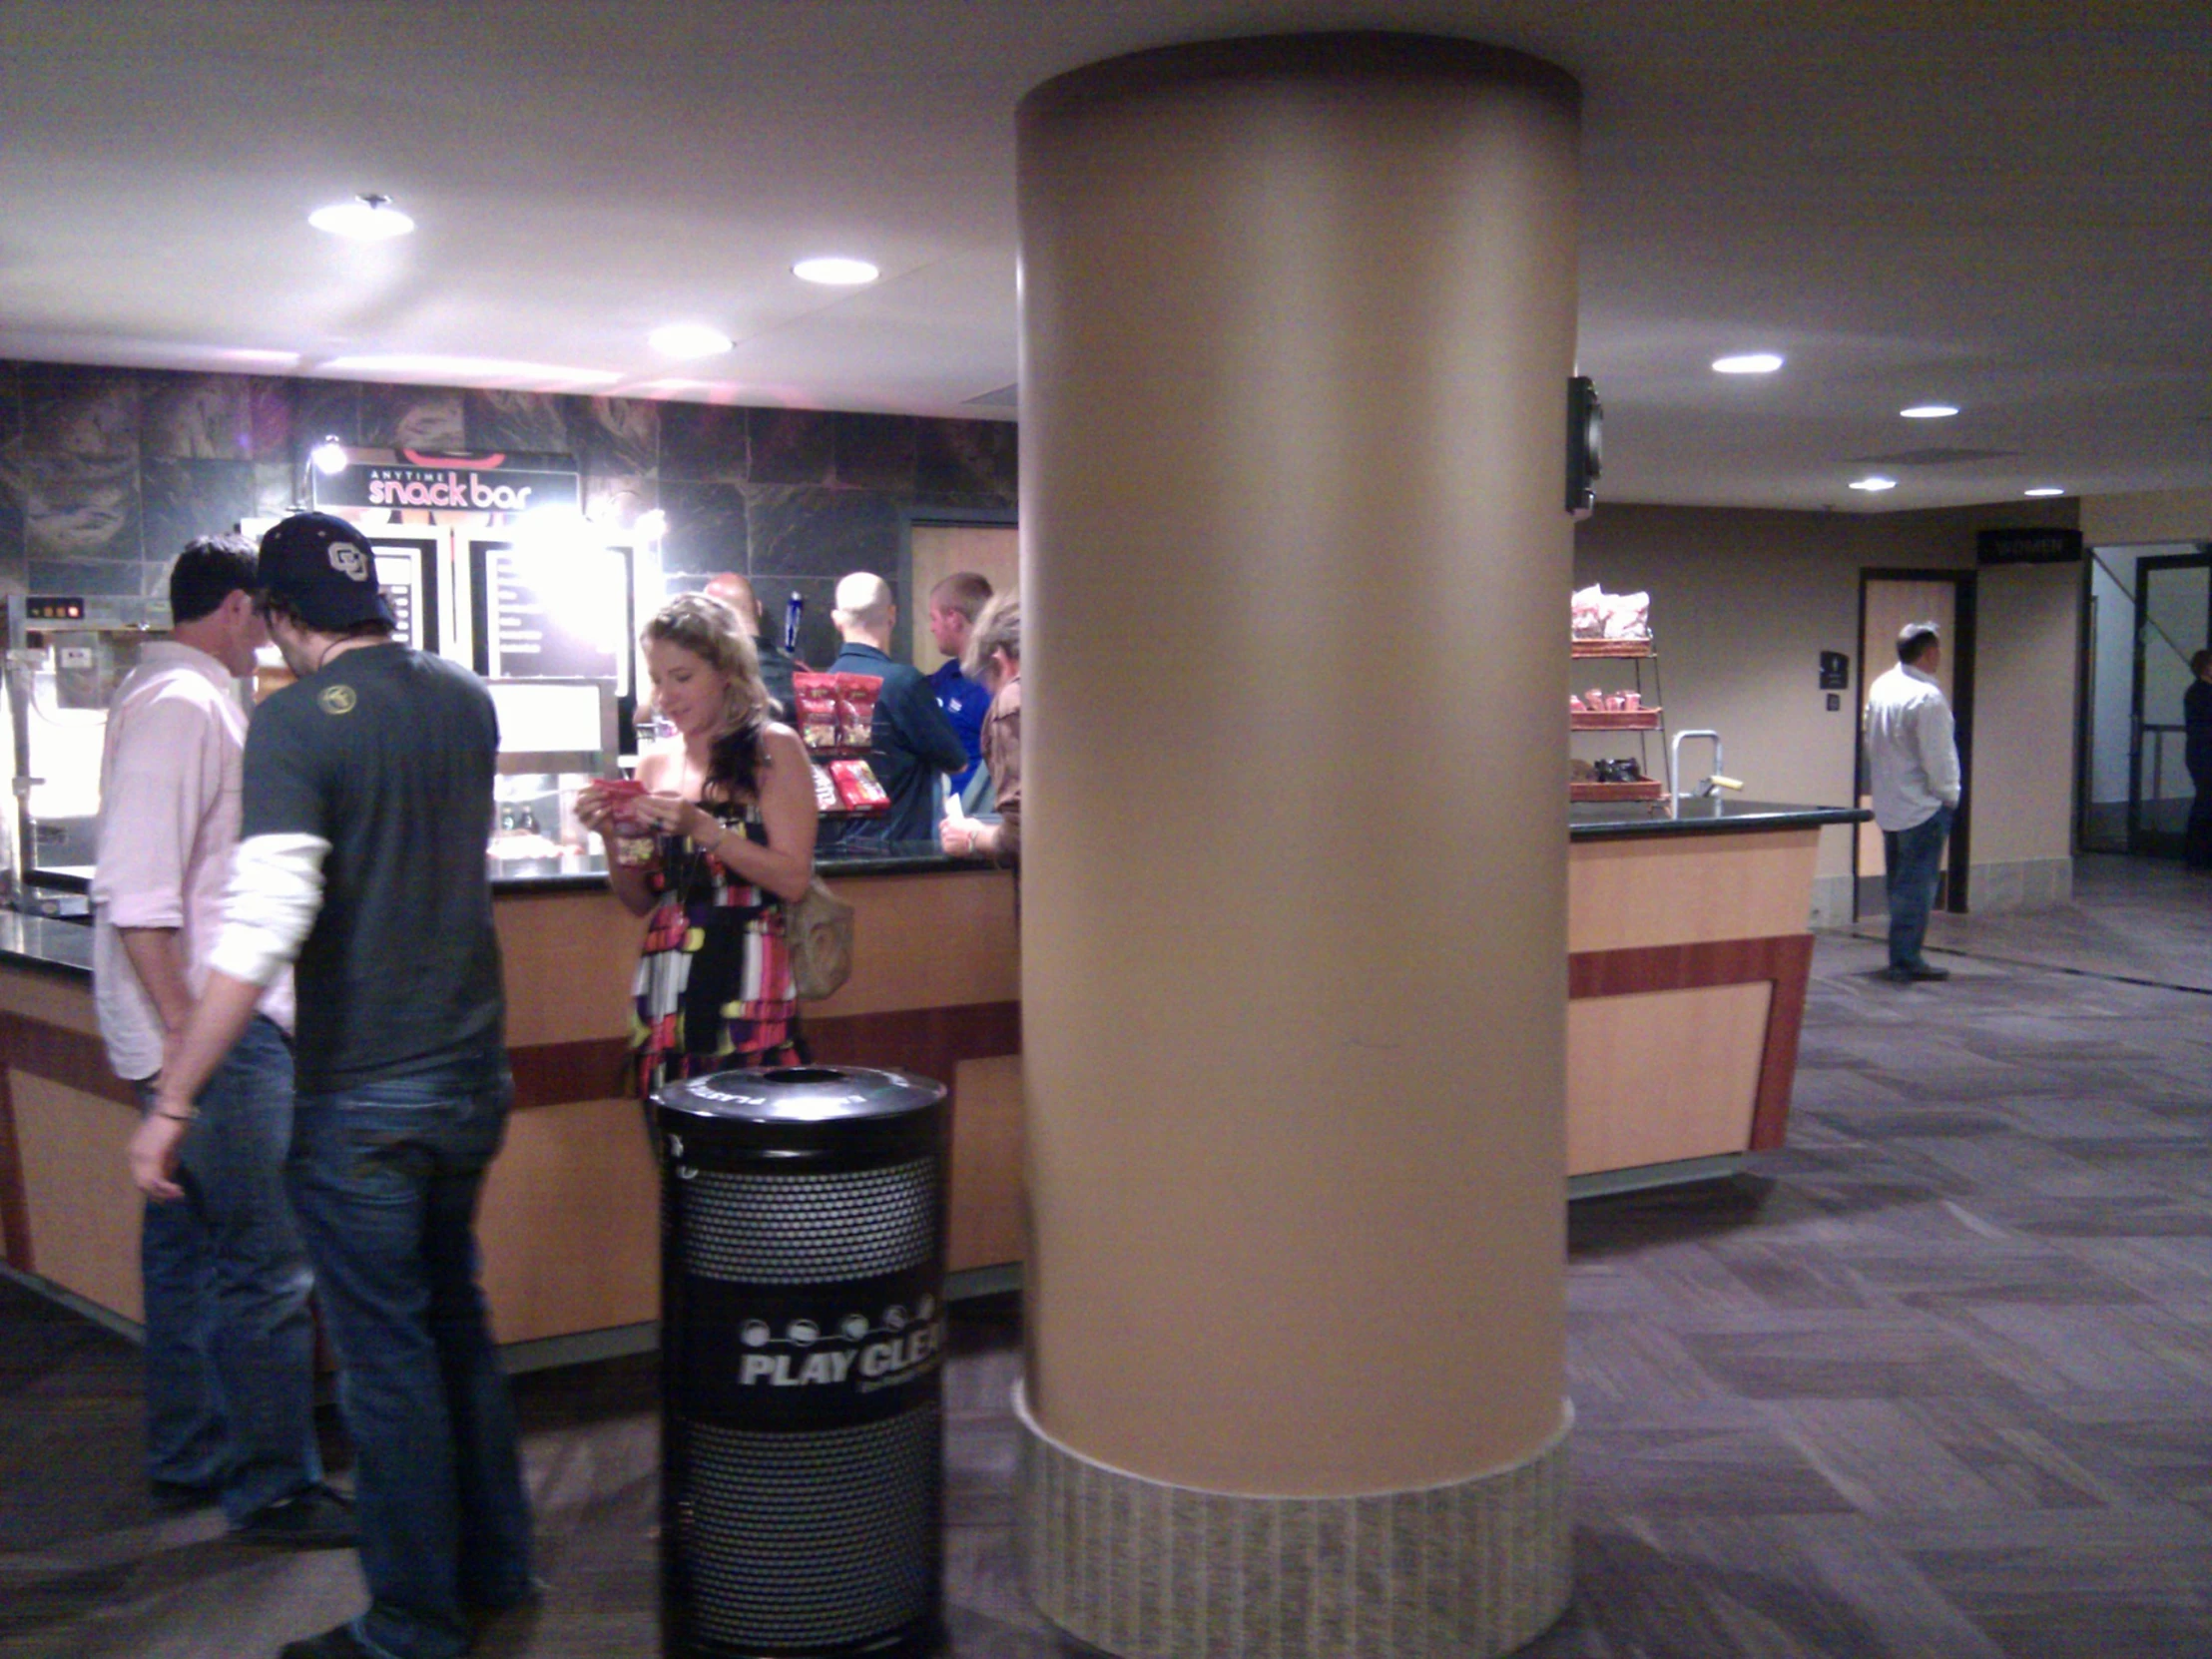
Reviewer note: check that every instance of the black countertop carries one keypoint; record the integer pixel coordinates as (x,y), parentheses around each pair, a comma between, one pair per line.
(65,947)
(1588,821)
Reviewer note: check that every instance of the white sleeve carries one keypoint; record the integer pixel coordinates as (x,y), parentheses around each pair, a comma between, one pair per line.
(276,891)
(1938,750)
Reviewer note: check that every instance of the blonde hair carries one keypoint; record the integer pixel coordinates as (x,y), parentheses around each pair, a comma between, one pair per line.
(997,628)
(712,630)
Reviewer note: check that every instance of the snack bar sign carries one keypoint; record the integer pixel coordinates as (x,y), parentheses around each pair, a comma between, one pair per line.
(417,482)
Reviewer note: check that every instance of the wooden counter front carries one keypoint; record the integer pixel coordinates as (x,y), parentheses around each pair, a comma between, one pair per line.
(1687,962)
(570,1220)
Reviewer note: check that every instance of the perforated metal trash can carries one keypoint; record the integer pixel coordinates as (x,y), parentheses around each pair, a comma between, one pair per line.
(802,1224)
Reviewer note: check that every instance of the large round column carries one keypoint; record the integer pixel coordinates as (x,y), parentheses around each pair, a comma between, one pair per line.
(1298,319)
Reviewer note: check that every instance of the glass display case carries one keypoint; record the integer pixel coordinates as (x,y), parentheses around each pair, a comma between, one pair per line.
(555,736)
(66,656)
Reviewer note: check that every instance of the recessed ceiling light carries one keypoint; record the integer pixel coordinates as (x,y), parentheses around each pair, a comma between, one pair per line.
(369,216)
(836,272)
(1928,411)
(1756,362)
(687,341)
(2046,489)
(1873,481)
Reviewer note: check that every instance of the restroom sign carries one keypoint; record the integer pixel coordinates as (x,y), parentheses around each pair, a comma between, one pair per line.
(486,487)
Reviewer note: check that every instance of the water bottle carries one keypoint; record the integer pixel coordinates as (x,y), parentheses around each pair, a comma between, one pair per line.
(793,610)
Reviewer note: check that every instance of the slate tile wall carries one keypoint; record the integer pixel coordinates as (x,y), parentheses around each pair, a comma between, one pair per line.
(106,472)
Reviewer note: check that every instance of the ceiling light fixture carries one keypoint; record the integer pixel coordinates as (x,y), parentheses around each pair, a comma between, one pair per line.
(2046,489)
(1873,481)
(836,272)
(369,216)
(1755,362)
(688,342)
(1928,411)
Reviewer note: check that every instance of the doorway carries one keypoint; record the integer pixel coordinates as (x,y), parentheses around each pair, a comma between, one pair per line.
(1888,600)
(2173,621)
(991,548)
(2145,610)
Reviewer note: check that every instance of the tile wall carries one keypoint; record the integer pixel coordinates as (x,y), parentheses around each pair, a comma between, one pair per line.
(106,472)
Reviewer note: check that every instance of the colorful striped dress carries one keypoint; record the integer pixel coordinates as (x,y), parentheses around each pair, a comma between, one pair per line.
(714,984)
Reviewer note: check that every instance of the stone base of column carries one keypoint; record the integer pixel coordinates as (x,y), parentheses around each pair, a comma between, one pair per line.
(1152,1571)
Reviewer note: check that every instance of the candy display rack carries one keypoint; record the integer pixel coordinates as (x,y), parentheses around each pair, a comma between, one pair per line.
(1638,655)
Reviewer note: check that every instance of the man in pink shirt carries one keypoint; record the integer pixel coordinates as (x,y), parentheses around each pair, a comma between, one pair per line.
(230,1344)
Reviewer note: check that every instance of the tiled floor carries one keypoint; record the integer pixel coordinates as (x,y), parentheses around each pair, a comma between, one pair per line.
(1935,1383)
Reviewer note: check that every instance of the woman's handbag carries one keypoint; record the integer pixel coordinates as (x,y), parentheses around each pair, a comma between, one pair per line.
(818,935)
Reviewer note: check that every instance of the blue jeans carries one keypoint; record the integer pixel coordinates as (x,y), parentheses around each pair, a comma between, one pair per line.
(1912,862)
(385,1178)
(229,1344)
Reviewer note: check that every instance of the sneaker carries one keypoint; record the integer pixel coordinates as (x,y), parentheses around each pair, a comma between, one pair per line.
(338,1642)
(318,1518)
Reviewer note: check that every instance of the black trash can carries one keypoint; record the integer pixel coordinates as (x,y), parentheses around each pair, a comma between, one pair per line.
(802,1224)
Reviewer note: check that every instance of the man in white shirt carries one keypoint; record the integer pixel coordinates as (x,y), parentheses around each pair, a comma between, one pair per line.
(229,1344)
(1913,763)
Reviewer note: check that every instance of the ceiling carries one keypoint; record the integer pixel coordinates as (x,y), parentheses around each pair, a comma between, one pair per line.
(2006,204)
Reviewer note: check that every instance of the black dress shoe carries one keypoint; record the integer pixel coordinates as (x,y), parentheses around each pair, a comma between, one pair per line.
(318,1518)
(338,1642)
(178,1497)
(1924,970)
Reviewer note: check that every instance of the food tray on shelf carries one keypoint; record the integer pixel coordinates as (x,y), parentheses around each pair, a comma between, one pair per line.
(1615,720)
(1612,648)
(1644,788)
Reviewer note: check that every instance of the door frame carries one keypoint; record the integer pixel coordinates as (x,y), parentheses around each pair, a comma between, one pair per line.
(1953,892)
(2140,839)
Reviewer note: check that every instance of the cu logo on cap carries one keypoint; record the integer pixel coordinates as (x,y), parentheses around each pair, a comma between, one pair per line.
(349,561)
(336,700)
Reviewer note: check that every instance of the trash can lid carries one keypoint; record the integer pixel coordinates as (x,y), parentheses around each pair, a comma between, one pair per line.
(800,1095)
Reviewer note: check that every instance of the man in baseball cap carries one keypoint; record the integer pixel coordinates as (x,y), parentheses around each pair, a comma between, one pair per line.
(319,568)
(367,807)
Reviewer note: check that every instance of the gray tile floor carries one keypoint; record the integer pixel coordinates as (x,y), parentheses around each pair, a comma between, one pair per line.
(1934,1381)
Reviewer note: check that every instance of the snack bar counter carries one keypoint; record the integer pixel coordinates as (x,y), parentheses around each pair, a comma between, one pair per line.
(571,1210)
(1689,956)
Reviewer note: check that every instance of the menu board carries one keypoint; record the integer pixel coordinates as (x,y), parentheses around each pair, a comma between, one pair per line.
(399,574)
(556,612)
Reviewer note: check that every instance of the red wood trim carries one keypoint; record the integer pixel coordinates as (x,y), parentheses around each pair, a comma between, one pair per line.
(546,1074)
(74,1059)
(1784,961)
(931,1041)
(15,1202)
(1770,1112)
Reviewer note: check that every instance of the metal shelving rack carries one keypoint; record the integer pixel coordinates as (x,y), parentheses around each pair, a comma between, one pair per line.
(1643,721)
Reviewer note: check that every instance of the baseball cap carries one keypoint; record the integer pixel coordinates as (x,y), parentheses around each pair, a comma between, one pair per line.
(321,567)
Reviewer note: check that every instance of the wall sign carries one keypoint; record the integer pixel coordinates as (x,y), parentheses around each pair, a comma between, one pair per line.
(477,486)
(2027,547)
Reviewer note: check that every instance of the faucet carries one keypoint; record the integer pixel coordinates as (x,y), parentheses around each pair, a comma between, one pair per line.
(1674,768)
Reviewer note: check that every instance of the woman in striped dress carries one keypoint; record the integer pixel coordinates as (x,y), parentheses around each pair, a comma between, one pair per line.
(732,806)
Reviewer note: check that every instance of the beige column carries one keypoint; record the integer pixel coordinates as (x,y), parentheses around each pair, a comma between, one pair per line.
(1298,319)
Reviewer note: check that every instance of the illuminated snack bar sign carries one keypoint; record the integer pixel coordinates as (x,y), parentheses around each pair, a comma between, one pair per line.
(411,481)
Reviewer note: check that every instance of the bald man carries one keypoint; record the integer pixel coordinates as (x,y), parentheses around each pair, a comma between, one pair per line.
(776,662)
(914,741)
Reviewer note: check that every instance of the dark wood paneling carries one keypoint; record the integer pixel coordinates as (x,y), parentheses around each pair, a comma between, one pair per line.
(1784,961)
(14,1207)
(931,1041)
(74,1059)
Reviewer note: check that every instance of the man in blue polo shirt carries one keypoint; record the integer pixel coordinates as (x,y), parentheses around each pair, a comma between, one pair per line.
(954,604)
(913,741)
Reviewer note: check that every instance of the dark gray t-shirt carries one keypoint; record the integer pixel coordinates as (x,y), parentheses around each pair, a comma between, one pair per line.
(387,754)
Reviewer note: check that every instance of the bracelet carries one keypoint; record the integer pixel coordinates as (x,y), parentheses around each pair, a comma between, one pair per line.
(184,1116)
